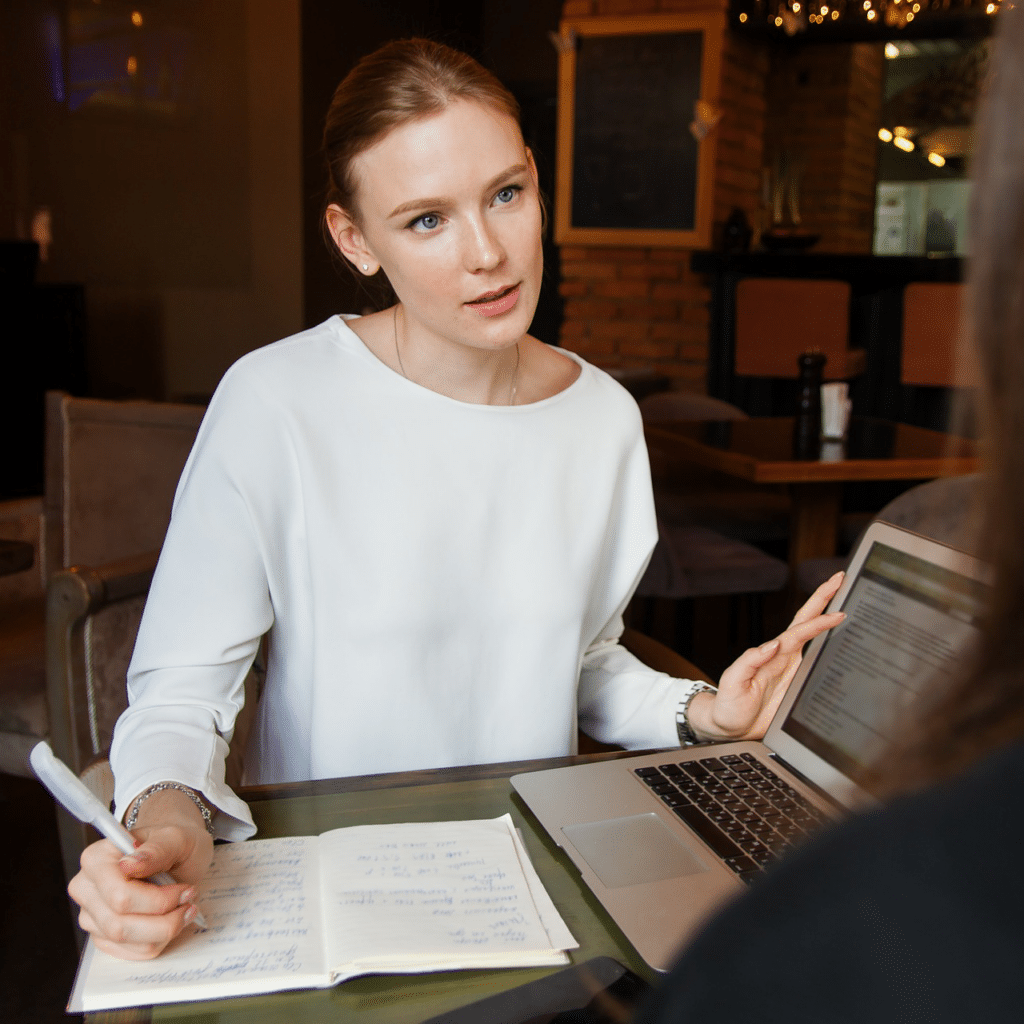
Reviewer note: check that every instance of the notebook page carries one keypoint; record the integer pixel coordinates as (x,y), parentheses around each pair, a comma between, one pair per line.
(261,902)
(429,896)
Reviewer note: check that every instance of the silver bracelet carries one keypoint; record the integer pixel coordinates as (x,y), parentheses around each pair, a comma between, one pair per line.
(687,737)
(133,811)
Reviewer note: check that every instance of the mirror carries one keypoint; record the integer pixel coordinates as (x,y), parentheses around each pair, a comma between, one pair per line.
(930,94)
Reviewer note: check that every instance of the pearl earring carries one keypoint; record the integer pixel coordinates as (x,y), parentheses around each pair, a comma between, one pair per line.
(366,266)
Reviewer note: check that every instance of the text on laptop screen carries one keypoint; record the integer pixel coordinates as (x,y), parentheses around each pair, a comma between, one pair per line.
(908,621)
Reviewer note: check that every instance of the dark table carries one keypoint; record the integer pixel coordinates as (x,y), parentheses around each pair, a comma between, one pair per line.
(762,450)
(450,794)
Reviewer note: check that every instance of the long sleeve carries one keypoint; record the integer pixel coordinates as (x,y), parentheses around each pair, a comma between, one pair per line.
(442,582)
(624,701)
(209,604)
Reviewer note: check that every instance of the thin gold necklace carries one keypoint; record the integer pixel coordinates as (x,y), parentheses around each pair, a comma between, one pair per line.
(398,354)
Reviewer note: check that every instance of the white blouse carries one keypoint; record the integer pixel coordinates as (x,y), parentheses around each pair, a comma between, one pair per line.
(443,582)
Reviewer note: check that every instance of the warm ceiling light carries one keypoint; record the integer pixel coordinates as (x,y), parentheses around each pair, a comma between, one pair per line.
(885,135)
(796,8)
(823,11)
(892,51)
(778,21)
(937,159)
(137,19)
(871,15)
(991,9)
(835,14)
(901,131)
(743,16)
(133,65)
(903,143)
(910,15)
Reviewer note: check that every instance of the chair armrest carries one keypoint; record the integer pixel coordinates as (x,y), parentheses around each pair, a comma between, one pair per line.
(660,657)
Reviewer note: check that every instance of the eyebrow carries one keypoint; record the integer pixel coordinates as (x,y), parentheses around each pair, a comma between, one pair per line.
(419,204)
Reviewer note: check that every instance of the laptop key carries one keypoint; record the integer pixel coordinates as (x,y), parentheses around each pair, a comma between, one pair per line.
(708,831)
(741,864)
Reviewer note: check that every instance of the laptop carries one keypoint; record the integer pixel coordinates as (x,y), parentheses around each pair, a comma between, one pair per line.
(664,839)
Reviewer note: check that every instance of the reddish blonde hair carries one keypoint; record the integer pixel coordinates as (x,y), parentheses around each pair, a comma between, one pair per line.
(401,82)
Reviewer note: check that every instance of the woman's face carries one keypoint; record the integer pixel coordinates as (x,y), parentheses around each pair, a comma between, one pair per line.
(449,207)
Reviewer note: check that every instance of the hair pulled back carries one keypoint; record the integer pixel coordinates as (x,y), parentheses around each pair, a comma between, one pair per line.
(403,81)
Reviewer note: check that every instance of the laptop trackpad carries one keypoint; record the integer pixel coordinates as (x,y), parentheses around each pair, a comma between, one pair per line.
(633,850)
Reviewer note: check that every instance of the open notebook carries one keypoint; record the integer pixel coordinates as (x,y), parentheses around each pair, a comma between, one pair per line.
(313,911)
(663,839)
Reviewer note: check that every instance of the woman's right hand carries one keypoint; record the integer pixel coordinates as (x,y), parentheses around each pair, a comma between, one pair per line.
(128,917)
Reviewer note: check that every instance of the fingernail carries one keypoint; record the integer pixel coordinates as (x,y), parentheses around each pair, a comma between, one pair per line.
(188,896)
(136,843)
(771,645)
(133,860)
(190,914)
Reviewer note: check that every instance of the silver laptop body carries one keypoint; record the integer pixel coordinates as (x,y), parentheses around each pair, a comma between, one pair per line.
(912,606)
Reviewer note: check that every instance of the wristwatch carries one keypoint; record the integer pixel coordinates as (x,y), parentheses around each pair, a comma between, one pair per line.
(687,737)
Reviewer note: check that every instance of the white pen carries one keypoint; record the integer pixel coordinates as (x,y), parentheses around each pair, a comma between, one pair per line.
(77,799)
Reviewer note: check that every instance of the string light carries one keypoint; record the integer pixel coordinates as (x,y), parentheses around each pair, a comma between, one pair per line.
(794,16)
(937,159)
(901,142)
(885,135)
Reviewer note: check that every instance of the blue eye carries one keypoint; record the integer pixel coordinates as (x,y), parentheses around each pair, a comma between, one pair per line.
(508,193)
(427,222)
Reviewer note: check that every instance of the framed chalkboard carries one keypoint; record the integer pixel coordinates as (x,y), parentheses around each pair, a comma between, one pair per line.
(630,169)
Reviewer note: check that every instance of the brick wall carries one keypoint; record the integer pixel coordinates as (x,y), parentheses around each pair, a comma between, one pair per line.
(824,106)
(643,306)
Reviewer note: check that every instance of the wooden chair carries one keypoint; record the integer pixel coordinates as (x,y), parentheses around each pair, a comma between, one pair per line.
(111,472)
(934,353)
(777,319)
(92,619)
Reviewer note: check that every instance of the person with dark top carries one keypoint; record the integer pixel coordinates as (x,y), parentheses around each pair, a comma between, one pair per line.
(915,911)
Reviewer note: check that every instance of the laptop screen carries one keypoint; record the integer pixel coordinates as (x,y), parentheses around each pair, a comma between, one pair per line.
(908,622)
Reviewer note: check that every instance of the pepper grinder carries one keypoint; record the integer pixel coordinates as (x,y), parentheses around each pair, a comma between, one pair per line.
(807,428)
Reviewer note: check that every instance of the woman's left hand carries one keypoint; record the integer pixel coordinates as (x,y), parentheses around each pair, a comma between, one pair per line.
(752,687)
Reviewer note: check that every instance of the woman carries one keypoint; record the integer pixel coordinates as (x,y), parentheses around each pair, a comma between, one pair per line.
(913,913)
(439,518)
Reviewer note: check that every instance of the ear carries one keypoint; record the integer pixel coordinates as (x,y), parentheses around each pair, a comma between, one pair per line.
(349,240)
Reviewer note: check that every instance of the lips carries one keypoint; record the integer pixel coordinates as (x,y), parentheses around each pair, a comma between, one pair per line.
(497,302)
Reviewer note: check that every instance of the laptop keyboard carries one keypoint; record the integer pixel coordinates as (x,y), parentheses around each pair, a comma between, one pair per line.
(745,812)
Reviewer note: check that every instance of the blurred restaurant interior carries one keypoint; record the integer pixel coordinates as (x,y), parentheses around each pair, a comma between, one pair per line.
(161,189)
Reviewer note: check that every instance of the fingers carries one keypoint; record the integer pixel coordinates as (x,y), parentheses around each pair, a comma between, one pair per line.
(130,918)
(818,601)
(800,633)
(745,667)
(139,937)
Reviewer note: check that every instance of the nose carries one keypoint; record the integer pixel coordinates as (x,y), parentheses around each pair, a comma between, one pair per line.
(483,248)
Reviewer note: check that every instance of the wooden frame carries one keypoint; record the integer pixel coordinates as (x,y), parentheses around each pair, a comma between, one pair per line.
(696,231)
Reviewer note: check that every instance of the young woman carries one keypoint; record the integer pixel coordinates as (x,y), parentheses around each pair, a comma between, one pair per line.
(913,913)
(438,518)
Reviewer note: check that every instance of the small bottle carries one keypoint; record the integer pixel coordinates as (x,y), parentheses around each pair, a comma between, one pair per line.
(807,427)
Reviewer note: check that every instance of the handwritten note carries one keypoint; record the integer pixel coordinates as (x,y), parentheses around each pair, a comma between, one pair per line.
(309,911)
(395,891)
